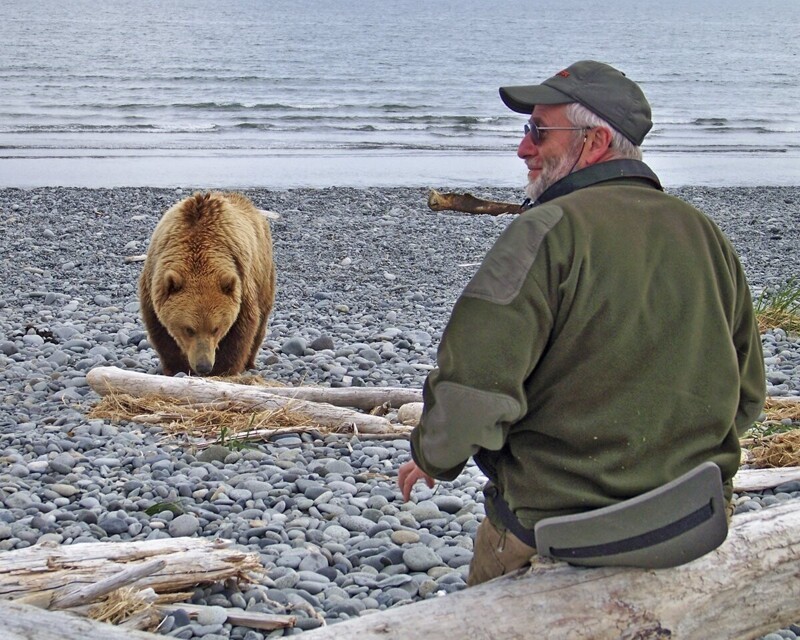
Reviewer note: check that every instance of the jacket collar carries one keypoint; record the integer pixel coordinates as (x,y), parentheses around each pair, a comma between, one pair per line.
(602,172)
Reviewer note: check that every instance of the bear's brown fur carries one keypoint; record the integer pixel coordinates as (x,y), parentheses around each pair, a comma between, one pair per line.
(208,285)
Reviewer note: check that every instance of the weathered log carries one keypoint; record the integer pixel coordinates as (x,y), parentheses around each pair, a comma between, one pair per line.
(744,589)
(105,380)
(468,203)
(56,577)
(94,591)
(365,398)
(760,479)
(49,574)
(26,622)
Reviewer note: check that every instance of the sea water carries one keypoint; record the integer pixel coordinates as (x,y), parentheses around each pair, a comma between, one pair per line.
(283,93)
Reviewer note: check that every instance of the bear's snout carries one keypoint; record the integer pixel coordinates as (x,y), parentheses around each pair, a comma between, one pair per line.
(203,366)
(201,355)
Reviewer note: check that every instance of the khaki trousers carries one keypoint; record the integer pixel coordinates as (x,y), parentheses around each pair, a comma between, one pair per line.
(496,553)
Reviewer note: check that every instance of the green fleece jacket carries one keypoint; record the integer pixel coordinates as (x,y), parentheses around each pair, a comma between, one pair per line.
(606,345)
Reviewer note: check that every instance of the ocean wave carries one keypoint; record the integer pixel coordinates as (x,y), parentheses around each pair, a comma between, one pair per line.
(77,128)
(712,122)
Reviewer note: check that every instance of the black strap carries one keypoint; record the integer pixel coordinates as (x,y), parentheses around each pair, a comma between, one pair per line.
(509,520)
(641,541)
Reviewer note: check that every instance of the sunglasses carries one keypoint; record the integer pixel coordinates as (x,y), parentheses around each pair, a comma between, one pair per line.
(535,132)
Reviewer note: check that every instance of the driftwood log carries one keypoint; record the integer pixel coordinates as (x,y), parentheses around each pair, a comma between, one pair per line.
(760,479)
(468,203)
(21,621)
(26,622)
(62,576)
(744,589)
(365,398)
(105,380)
(143,580)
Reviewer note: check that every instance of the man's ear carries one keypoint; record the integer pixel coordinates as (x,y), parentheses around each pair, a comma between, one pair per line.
(598,144)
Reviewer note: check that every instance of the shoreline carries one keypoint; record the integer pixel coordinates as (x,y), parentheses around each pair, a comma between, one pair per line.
(237,169)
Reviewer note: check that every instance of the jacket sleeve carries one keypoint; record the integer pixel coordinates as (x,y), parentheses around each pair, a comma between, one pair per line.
(495,336)
(747,340)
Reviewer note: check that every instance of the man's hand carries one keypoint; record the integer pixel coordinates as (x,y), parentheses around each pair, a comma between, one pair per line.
(407,476)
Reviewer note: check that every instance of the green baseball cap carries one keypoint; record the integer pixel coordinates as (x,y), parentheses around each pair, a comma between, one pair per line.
(599,87)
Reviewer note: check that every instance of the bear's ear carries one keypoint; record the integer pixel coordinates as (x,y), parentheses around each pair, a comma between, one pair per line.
(227,283)
(173,282)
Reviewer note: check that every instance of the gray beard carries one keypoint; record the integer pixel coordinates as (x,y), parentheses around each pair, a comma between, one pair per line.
(552,172)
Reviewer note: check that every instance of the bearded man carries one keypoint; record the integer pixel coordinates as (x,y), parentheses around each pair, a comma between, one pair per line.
(607,344)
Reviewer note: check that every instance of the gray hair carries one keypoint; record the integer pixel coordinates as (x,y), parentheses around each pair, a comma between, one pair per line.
(620,147)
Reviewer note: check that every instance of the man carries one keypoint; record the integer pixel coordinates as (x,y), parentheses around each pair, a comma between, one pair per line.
(607,343)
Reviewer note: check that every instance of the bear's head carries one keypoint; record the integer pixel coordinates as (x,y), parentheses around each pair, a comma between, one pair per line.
(198,310)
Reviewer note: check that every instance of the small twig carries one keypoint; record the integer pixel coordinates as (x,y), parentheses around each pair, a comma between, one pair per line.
(239,617)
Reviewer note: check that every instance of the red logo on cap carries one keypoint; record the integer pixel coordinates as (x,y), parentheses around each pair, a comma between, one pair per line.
(563,74)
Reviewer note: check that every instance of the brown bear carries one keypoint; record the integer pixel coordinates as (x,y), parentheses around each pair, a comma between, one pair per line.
(208,285)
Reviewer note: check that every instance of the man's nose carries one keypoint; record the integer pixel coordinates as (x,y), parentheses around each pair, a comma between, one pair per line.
(526,147)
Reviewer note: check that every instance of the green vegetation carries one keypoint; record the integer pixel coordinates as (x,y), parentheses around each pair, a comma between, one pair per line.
(779,308)
(780,415)
(767,429)
(229,440)
(157,508)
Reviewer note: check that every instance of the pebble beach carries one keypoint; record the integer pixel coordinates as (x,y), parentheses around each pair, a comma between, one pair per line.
(366,281)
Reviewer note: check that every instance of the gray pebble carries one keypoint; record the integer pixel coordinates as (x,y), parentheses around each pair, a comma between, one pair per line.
(184,525)
(419,558)
(212,616)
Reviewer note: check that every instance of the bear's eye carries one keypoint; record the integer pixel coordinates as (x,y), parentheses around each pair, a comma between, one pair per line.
(189,331)
(215,330)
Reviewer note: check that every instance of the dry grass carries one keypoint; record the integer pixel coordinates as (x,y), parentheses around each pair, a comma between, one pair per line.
(200,420)
(247,379)
(775,443)
(135,607)
(777,318)
(779,307)
(123,604)
(776,450)
(778,410)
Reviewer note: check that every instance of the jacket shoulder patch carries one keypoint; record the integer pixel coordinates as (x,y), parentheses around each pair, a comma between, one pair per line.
(504,269)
